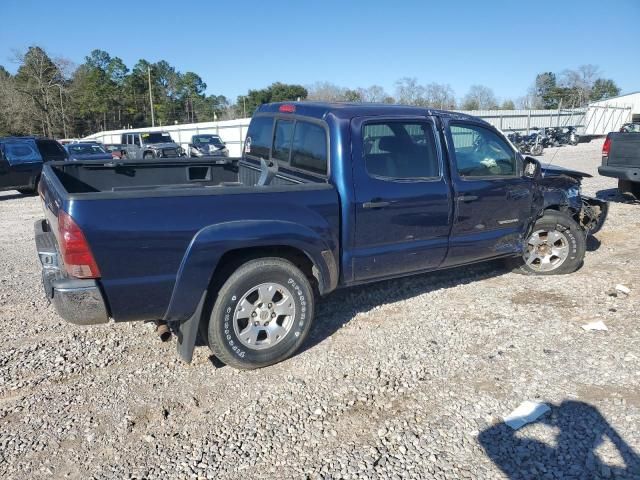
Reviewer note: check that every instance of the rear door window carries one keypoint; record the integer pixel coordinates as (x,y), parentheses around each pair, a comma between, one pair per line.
(400,150)
(258,142)
(309,150)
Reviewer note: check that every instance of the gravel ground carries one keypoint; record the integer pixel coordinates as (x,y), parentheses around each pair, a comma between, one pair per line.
(402,379)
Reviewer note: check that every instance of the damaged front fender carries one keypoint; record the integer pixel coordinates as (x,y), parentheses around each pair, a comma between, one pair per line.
(561,190)
(593,214)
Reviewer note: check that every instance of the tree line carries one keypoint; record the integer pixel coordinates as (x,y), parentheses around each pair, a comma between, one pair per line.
(55,98)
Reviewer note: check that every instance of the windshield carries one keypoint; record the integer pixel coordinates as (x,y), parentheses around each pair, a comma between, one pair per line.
(212,139)
(85,149)
(631,128)
(156,137)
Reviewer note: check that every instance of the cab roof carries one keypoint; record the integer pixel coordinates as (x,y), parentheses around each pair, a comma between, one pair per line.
(351,110)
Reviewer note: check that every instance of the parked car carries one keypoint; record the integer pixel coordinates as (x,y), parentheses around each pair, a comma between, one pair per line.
(148,145)
(324,196)
(115,149)
(87,151)
(206,144)
(630,128)
(21,160)
(621,160)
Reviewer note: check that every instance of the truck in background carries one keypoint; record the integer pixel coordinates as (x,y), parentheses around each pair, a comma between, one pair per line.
(621,160)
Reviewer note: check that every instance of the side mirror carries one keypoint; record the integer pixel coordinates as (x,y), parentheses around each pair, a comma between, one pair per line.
(532,167)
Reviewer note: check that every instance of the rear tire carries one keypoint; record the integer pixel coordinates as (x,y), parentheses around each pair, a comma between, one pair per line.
(147,156)
(262,314)
(556,246)
(629,188)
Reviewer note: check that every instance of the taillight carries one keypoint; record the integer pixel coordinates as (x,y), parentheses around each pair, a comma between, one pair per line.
(76,254)
(606,147)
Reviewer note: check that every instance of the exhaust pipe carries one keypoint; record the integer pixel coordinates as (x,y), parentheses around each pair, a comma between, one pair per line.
(163,331)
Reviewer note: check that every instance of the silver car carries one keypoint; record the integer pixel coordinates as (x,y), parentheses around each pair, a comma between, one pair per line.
(204,145)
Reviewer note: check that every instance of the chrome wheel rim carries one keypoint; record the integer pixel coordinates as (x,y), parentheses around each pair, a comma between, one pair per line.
(264,316)
(546,250)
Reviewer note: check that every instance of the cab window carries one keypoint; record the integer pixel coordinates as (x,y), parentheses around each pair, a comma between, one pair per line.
(309,149)
(282,140)
(259,136)
(400,150)
(480,152)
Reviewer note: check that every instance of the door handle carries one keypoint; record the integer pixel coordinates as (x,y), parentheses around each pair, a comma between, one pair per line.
(375,204)
(467,198)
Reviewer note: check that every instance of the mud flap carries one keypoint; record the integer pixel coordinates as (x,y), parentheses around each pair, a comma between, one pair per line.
(187,332)
(593,214)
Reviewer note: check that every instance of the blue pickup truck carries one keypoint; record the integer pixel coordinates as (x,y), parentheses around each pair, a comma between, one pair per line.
(324,196)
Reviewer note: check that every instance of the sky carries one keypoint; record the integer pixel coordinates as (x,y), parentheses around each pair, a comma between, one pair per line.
(239,45)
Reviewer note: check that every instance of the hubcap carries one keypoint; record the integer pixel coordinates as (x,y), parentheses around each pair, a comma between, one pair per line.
(264,316)
(546,250)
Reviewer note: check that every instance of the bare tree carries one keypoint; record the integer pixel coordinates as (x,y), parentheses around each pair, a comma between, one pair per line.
(374,94)
(581,81)
(439,96)
(326,92)
(479,98)
(409,92)
(42,81)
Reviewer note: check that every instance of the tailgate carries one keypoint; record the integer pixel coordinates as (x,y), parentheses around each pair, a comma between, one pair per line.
(52,195)
(625,150)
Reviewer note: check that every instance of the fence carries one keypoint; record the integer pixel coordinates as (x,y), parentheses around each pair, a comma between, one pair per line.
(524,121)
(594,120)
(232,132)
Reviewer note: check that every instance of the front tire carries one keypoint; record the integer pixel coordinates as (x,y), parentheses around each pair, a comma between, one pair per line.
(262,314)
(555,246)
(537,150)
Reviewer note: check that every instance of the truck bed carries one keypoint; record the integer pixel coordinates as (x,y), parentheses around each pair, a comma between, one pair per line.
(160,174)
(144,220)
(625,149)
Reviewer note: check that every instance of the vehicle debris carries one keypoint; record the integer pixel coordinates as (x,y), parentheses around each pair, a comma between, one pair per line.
(599,325)
(623,289)
(526,412)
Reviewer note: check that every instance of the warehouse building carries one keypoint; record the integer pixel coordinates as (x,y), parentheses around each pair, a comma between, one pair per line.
(609,115)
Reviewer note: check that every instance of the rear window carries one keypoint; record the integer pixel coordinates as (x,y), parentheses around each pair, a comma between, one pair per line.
(85,149)
(258,142)
(21,151)
(309,150)
(282,140)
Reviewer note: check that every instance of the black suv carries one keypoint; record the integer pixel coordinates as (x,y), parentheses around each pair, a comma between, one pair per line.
(21,160)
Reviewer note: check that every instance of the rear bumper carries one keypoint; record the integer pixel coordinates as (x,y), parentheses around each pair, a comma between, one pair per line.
(78,301)
(623,173)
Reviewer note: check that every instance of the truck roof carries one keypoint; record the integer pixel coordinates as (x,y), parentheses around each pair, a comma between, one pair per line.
(351,110)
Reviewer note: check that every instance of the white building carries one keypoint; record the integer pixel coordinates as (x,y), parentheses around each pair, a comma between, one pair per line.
(608,115)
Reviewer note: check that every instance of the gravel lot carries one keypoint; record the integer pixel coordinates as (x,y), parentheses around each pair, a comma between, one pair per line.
(401,379)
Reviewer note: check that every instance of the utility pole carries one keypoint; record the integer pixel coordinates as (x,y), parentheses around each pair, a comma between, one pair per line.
(153,118)
(244,107)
